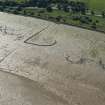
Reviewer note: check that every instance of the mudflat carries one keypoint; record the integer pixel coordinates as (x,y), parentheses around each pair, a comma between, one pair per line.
(67,62)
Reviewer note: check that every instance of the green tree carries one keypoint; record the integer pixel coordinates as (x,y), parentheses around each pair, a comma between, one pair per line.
(103,14)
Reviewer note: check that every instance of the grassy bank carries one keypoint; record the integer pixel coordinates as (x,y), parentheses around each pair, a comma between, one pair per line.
(60,16)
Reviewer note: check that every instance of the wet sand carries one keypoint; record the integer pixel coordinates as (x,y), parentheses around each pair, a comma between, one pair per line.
(17,90)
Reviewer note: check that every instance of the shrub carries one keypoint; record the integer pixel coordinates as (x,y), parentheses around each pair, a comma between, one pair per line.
(94,25)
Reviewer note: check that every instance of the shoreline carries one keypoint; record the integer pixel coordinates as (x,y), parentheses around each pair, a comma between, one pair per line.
(62,23)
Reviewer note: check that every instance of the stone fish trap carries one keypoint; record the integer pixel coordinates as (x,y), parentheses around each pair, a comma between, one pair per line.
(41,40)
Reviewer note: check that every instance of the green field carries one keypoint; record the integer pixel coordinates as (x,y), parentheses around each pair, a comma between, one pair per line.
(95,4)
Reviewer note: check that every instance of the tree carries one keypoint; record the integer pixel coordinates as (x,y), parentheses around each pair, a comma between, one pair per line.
(1,8)
(58,18)
(66,7)
(94,25)
(49,9)
(15,12)
(92,12)
(24,12)
(97,21)
(103,14)
(59,6)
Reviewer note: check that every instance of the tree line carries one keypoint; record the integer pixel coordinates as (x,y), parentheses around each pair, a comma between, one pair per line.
(61,4)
